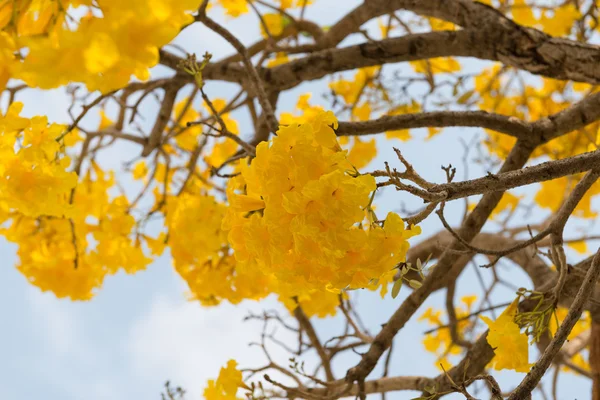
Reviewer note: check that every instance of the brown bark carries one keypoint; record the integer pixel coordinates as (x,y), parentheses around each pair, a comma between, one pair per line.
(595,359)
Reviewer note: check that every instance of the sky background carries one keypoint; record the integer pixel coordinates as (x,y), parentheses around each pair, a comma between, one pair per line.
(140,331)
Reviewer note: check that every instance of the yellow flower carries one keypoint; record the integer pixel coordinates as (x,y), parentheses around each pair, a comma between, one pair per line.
(156,246)
(72,138)
(581,326)
(552,192)
(362,112)
(284,4)
(469,300)
(275,25)
(243,203)
(280,58)
(111,48)
(140,170)
(318,303)
(561,21)
(523,13)
(226,385)
(402,134)
(105,121)
(580,247)
(234,8)
(362,152)
(350,90)
(230,378)
(7,57)
(102,53)
(508,202)
(510,346)
(440,25)
(440,341)
(186,137)
(436,65)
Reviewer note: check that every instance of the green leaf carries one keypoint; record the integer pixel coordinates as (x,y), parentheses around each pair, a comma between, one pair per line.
(415,284)
(396,288)
(419,265)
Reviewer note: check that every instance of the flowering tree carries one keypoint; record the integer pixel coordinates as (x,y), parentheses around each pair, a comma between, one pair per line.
(288,205)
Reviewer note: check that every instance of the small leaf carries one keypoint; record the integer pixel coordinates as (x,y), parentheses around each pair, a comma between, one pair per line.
(465,97)
(419,265)
(415,284)
(430,389)
(396,288)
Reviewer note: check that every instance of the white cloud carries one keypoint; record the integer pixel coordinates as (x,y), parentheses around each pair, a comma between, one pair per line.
(64,356)
(58,325)
(187,344)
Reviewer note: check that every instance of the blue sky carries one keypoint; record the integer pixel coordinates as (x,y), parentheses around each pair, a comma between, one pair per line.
(140,330)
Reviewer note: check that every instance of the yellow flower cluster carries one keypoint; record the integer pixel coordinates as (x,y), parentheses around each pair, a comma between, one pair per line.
(533,103)
(583,325)
(301,193)
(33,179)
(51,219)
(296,212)
(201,255)
(56,254)
(530,103)
(553,193)
(115,40)
(227,384)
(440,341)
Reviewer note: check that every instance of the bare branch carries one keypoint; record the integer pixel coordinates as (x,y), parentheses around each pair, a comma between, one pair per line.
(480,119)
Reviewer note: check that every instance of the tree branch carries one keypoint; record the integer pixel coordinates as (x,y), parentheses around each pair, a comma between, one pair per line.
(503,181)
(536,373)
(471,227)
(439,119)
